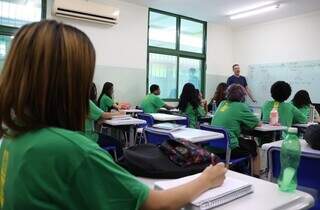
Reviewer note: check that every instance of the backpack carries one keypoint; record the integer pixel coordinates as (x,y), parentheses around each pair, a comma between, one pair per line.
(312,136)
(148,160)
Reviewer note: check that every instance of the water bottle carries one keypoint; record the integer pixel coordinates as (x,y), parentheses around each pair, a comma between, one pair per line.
(274,117)
(290,159)
(214,106)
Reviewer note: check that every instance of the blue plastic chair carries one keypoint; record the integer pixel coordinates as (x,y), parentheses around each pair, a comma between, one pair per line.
(146,117)
(154,136)
(224,144)
(185,122)
(308,172)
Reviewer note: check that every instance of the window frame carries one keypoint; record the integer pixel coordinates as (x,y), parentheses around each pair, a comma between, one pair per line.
(10,31)
(177,52)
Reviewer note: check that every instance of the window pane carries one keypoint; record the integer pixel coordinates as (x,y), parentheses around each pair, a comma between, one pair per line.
(4,48)
(189,71)
(191,36)
(163,72)
(162,30)
(16,13)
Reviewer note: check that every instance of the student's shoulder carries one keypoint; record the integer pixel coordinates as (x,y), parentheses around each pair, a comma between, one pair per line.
(66,139)
(267,104)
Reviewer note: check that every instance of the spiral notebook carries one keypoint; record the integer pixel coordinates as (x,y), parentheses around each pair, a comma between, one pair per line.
(229,191)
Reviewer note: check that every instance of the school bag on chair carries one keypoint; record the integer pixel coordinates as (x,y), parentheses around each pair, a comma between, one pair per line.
(312,136)
(173,159)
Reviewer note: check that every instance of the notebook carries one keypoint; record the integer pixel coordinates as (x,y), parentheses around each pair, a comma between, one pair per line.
(121,117)
(229,191)
(168,126)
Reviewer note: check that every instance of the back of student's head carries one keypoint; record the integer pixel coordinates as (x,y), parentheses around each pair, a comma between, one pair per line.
(280,91)
(46,78)
(154,88)
(220,93)
(188,96)
(236,93)
(301,99)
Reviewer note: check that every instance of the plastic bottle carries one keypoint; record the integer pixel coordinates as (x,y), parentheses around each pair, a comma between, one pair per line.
(290,159)
(274,117)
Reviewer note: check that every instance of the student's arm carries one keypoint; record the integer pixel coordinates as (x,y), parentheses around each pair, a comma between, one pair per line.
(178,197)
(168,106)
(298,116)
(247,118)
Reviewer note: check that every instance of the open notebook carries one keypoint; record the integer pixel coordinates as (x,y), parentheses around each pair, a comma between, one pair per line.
(229,191)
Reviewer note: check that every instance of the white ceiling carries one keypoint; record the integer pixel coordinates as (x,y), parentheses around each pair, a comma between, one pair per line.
(215,10)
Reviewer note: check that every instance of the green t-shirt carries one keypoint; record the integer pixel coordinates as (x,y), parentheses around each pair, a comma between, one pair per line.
(288,113)
(194,114)
(151,103)
(94,114)
(233,116)
(106,103)
(54,169)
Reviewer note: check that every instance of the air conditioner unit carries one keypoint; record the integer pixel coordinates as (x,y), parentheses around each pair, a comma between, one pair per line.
(86,10)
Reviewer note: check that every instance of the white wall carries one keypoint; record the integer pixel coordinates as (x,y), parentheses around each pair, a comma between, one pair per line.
(290,39)
(121,49)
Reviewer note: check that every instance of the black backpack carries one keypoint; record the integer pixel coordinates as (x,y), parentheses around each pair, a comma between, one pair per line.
(148,160)
(312,136)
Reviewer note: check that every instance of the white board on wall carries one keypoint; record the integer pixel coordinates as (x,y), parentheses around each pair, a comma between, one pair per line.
(300,75)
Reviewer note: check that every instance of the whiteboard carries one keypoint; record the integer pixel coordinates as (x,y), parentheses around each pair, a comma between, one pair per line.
(300,75)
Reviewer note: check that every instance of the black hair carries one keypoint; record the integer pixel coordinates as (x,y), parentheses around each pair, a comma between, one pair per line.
(280,91)
(154,87)
(301,99)
(106,90)
(236,93)
(188,95)
(93,93)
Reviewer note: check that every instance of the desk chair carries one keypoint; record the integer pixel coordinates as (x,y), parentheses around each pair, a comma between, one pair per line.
(224,145)
(308,172)
(112,149)
(185,122)
(156,137)
(150,121)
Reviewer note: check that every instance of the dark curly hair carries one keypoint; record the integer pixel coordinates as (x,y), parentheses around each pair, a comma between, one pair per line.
(301,99)
(280,91)
(188,95)
(220,93)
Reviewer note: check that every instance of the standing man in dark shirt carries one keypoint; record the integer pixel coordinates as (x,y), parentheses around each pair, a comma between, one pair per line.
(236,78)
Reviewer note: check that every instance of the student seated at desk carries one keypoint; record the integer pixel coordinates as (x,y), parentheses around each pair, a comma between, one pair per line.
(95,115)
(45,162)
(105,101)
(219,96)
(190,104)
(302,101)
(288,113)
(152,102)
(234,114)
(203,102)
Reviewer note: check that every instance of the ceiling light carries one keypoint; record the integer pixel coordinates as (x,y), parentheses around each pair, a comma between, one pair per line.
(255,12)
(251,7)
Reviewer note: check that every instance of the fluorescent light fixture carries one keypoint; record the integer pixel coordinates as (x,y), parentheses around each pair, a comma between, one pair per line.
(251,7)
(255,12)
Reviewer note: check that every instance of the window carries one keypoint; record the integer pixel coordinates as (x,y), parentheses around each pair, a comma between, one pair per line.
(14,14)
(176,53)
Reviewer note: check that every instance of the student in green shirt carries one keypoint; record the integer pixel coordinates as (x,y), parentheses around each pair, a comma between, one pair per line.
(45,163)
(190,104)
(105,101)
(234,114)
(152,102)
(96,115)
(288,113)
(302,101)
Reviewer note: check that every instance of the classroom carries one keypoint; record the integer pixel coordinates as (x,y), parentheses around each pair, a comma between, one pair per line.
(159,104)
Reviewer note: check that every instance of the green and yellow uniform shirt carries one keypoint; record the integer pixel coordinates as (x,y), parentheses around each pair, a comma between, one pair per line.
(233,116)
(194,114)
(151,103)
(95,114)
(54,169)
(288,113)
(106,103)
